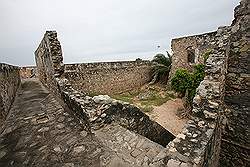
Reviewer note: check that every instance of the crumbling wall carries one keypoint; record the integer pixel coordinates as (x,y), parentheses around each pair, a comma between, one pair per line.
(210,138)
(28,72)
(9,82)
(49,60)
(199,142)
(101,110)
(93,112)
(108,77)
(197,145)
(198,44)
(225,90)
(236,137)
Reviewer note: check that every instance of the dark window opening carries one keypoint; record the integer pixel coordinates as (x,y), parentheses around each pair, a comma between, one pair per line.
(191,56)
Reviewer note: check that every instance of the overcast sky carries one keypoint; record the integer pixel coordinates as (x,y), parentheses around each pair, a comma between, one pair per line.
(105,30)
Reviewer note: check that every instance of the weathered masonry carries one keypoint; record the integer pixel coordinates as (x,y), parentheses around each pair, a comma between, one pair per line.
(99,113)
(222,98)
(92,78)
(9,82)
(94,111)
(28,72)
(236,137)
(108,77)
(63,126)
(214,136)
(188,51)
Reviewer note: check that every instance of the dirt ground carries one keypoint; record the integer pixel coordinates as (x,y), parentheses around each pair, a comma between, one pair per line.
(166,116)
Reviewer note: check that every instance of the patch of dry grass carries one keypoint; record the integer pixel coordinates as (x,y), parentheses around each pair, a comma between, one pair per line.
(146,97)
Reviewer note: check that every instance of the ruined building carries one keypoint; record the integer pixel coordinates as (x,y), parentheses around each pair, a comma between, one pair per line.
(53,122)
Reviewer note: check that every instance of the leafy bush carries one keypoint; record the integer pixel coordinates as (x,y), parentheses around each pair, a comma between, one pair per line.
(181,81)
(185,82)
(198,75)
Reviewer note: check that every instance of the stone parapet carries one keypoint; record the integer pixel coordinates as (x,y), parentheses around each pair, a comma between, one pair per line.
(98,111)
(199,143)
(236,136)
(214,106)
(9,82)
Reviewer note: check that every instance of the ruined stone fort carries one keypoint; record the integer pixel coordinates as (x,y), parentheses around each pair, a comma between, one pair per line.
(49,118)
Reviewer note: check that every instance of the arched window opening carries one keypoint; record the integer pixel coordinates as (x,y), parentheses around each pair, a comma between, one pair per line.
(191,55)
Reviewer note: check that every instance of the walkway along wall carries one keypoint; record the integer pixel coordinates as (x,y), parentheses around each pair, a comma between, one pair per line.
(199,144)
(93,112)
(9,82)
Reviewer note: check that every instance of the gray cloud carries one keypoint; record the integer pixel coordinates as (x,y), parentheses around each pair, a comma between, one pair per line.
(106,30)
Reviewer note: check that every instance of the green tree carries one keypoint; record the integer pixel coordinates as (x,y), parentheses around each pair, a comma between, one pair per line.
(161,67)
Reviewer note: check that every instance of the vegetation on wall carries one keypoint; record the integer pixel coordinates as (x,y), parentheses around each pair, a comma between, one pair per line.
(186,83)
(161,68)
(181,81)
(206,55)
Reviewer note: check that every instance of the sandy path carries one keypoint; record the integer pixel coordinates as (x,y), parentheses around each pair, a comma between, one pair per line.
(166,116)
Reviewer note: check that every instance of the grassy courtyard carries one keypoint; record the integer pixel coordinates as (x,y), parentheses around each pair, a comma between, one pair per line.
(146,97)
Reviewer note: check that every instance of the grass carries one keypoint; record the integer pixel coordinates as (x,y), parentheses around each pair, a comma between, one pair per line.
(92,94)
(146,97)
(157,101)
(146,108)
(124,98)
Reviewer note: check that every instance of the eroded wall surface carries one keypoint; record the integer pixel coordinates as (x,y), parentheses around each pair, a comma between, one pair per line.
(108,77)
(218,134)
(9,82)
(28,72)
(198,44)
(236,137)
(202,142)
(93,112)
(49,61)
(199,143)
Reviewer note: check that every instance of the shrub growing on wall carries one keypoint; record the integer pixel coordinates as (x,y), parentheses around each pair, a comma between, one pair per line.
(181,81)
(186,83)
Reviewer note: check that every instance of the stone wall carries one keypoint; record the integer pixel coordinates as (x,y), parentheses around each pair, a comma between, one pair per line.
(28,72)
(199,143)
(9,82)
(198,44)
(49,61)
(236,137)
(102,110)
(108,77)
(93,112)
(218,134)
(223,92)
